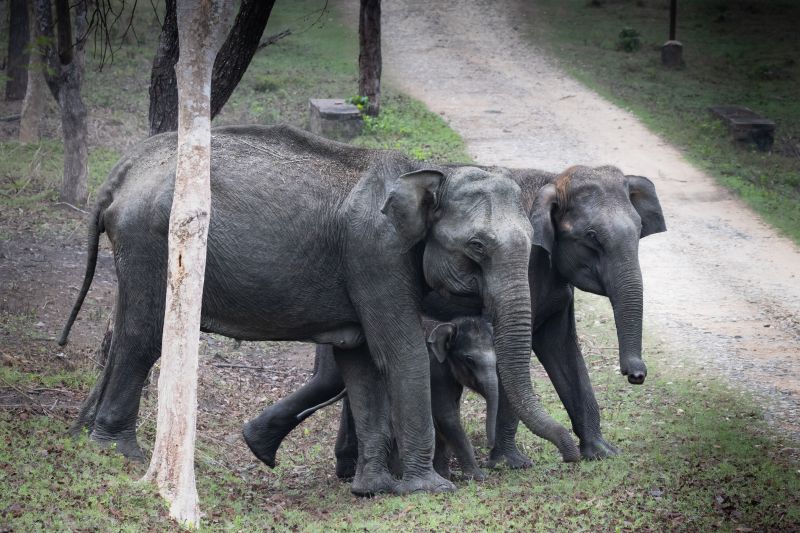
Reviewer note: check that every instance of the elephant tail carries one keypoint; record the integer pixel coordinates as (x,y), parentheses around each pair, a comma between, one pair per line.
(95,229)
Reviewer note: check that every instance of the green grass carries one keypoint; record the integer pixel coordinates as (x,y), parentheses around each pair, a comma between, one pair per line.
(742,53)
(696,457)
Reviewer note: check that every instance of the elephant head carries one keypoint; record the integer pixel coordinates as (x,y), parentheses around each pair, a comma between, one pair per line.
(590,220)
(466,345)
(477,241)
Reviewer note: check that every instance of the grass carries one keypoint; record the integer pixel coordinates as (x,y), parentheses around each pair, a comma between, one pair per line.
(741,52)
(696,457)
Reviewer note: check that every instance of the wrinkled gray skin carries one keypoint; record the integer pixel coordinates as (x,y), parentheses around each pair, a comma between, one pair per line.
(461,355)
(319,241)
(586,236)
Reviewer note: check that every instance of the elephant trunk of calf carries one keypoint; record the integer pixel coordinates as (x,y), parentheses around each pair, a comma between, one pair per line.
(625,292)
(510,308)
(492,394)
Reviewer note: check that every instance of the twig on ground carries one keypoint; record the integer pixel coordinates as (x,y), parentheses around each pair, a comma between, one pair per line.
(78,209)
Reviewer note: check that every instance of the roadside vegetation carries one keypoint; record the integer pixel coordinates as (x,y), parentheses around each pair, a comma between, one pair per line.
(736,53)
(696,455)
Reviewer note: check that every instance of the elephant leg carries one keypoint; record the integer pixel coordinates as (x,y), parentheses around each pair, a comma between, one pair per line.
(135,347)
(505,445)
(556,346)
(371,416)
(346,449)
(265,433)
(447,417)
(441,456)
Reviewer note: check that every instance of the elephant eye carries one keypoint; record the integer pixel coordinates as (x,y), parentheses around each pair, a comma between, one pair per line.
(477,246)
(591,235)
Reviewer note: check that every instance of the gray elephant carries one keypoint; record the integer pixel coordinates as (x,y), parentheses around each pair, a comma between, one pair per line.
(587,225)
(461,355)
(319,241)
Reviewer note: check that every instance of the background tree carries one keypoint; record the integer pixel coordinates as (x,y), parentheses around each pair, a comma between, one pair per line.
(33,104)
(200,25)
(64,68)
(17,49)
(230,65)
(369,55)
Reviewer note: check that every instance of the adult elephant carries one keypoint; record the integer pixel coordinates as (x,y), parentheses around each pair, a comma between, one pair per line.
(319,241)
(587,225)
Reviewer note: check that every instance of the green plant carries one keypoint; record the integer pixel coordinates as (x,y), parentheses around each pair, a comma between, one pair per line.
(361,102)
(629,40)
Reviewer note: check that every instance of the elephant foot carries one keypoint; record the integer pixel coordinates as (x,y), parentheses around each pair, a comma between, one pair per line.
(369,484)
(263,448)
(346,468)
(429,482)
(475,474)
(123,442)
(597,448)
(512,457)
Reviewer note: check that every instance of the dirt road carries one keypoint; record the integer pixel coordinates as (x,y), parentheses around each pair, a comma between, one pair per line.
(721,286)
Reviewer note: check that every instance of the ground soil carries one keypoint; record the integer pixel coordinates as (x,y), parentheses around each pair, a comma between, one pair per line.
(721,287)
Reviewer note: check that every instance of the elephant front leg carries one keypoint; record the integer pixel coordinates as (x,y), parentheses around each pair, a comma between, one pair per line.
(346,449)
(265,433)
(556,346)
(505,448)
(371,416)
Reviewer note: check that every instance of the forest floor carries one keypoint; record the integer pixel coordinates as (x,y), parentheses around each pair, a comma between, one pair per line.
(697,453)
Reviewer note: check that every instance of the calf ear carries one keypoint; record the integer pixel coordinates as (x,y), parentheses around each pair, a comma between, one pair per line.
(409,202)
(644,199)
(545,203)
(439,340)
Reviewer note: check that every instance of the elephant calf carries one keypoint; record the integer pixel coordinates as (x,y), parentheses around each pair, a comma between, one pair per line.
(461,355)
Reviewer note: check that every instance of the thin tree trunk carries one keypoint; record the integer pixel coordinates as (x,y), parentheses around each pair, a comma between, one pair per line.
(18,36)
(230,65)
(200,27)
(33,104)
(369,56)
(74,119)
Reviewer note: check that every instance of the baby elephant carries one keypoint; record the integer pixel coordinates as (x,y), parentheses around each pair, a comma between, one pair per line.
(461,355)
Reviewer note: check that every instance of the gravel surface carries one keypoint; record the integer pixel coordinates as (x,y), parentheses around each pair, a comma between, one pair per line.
(721,287)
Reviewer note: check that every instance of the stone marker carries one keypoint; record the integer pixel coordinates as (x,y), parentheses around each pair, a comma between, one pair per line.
(746,125)
(672,54)
(334,119)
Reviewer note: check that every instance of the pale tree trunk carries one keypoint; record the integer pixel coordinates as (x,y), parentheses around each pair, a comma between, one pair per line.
(201,25)
(64,74)
(33,104)
(369,55)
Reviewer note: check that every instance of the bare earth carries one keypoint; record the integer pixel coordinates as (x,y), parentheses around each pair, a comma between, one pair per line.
(721,287)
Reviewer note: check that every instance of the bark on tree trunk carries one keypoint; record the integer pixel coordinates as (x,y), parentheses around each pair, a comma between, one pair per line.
(230,65)
(18,36)
(369,56)
(200,27)
(33,104)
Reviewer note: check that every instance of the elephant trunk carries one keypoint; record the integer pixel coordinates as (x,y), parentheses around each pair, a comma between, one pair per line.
(625,293)
(509,305)
(491,392)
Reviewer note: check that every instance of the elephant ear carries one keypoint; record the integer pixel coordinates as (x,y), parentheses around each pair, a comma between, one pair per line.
(439,340)
(410,201)
(644,199)
(544,231)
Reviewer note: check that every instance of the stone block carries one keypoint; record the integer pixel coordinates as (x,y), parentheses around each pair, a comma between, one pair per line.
(672,54)
(334,118)
(746,125)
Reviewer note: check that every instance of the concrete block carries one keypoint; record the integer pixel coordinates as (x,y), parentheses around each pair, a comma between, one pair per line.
(334,118)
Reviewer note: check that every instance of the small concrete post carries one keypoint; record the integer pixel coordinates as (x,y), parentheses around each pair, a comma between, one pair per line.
(672,54)
(334,119)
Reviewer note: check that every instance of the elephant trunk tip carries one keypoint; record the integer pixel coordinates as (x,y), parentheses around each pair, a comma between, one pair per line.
(634,369)
(566,445)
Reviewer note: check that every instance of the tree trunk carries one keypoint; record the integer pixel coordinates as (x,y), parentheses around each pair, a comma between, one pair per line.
(18,36)
(231,62)
(74,123)
(369,55)
(34,102)
(200,26)
(64,74)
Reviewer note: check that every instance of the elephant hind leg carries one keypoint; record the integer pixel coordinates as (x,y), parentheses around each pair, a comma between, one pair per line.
(112,408)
